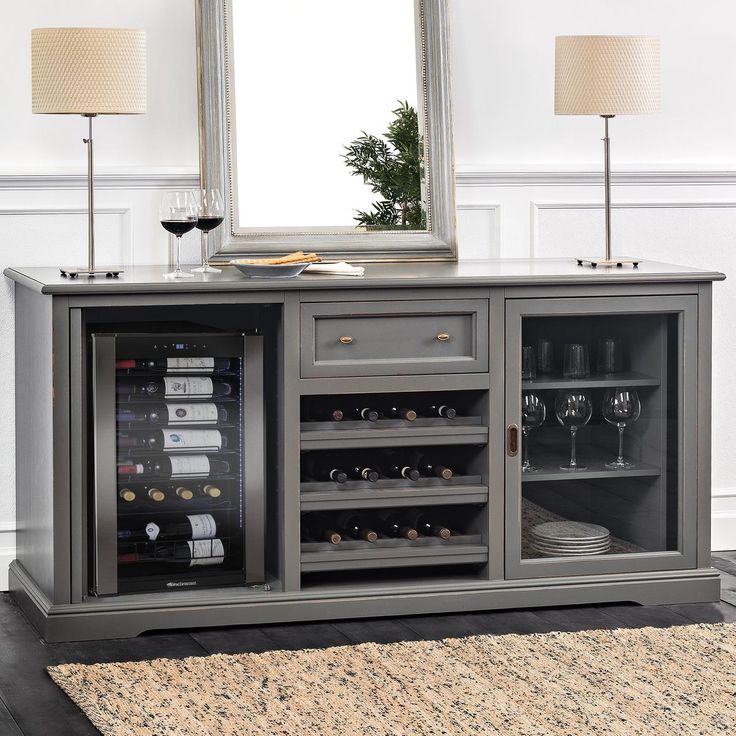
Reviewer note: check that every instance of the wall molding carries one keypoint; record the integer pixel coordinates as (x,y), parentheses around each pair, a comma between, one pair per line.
(558,178)
(490,207)
(121,180)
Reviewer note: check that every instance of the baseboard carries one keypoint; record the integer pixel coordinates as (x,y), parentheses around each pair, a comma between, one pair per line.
(723,515)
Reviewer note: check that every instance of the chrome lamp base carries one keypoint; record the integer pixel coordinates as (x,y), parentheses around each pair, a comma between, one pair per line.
(112,272)
(608,262)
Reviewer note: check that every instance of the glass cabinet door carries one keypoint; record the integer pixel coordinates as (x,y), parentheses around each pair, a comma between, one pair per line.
(601,432)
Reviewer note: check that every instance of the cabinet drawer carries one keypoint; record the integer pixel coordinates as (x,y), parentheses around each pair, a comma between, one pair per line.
(394,338)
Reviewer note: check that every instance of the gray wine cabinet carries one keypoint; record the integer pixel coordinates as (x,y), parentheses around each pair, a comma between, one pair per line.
(415,333)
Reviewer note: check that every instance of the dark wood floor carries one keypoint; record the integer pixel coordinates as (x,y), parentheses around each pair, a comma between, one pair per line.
(31,705)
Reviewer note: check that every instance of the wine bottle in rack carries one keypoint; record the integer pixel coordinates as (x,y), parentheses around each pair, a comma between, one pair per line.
(443,411)
(319,527)
(429,468)
(400,412)
(365,413)
(185,494)
(363,472)
(190,554)
(193,526)
(127,495)
(394,525)
(357,526)
(325,414)
(174,413)
(428,524)
(195,365)
(208,490)
(174,387)
(156,494)
(174,439)
(175,466)
(323,469)
(394,466)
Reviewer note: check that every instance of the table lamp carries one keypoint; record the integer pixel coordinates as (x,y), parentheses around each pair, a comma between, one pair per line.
(89,72)
(607,76)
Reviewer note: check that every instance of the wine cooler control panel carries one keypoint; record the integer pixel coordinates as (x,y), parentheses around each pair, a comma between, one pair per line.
(179,481)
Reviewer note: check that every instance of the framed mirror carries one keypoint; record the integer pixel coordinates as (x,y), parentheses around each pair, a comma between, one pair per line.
(327,126)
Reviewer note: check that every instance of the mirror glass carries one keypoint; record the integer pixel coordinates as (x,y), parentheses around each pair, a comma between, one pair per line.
(326,109)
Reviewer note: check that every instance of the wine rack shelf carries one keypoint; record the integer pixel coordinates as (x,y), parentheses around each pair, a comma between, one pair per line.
(549,469)
(628,378)
(445,434)
(387,492)
(392,553)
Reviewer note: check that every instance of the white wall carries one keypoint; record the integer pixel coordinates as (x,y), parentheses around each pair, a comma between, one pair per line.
(522,183)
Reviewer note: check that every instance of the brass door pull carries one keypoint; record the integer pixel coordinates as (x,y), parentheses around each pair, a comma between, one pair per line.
(512,440)
(443,336)
(346,339)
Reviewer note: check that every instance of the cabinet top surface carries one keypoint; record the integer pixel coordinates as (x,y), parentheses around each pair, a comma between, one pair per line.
(501,272)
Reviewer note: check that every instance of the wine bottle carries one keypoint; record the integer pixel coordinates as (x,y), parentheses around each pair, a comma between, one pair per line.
(172,439)
(430,469)
(210,491)
(357,526)
(439,410)
(324,470)
(395,526)
(204,413)
(393,469)
(192,553)
(400,412)
(320,528)
(185,494)
(206,365)
(326,414)
(173,387)
(127,495)
(365,413)
(428,524)
(156,494)
(363,472)
(193,526)
(175,466)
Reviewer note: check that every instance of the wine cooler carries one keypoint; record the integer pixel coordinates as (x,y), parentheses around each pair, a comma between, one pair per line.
(179,460)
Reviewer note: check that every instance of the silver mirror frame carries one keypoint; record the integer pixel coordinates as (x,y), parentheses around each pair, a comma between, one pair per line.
(217,146)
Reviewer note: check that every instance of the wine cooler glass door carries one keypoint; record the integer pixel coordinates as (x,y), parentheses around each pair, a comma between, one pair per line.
(605,391)
(178,433)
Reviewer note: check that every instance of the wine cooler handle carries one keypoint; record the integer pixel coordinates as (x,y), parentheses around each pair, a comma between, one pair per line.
(346,339)
(443,336)
(105,517)
(512,440)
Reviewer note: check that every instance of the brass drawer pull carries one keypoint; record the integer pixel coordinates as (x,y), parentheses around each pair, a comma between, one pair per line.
(512,440)
(346,339)
(443,336)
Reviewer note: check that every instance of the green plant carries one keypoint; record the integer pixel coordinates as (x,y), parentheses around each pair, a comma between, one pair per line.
(392,165)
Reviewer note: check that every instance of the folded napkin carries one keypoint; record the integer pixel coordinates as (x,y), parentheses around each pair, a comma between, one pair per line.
(342,269)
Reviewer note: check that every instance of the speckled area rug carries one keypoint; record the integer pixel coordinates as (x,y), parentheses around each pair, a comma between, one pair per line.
(625,682)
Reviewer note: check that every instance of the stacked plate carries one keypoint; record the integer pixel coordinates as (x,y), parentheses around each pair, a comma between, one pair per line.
(570,539)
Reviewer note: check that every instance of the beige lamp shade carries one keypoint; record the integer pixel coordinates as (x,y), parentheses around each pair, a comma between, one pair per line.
(89,71)
(606,75)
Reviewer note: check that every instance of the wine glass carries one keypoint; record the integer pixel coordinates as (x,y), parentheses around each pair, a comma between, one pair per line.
(211,214)
(573,410)
(621,406)
(178,215)
(533,414)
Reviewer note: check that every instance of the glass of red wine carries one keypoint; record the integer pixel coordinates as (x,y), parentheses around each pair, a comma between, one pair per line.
(178,215)
(211,215)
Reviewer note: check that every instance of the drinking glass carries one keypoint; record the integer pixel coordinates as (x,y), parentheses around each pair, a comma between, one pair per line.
(533,414)
(610,355)
(528,363)
(576,363)
(211,214)
(545,356)
(178,215)
(621,406)
(573,410)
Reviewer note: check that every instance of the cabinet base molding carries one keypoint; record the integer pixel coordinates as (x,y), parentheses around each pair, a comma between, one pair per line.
(129,616)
